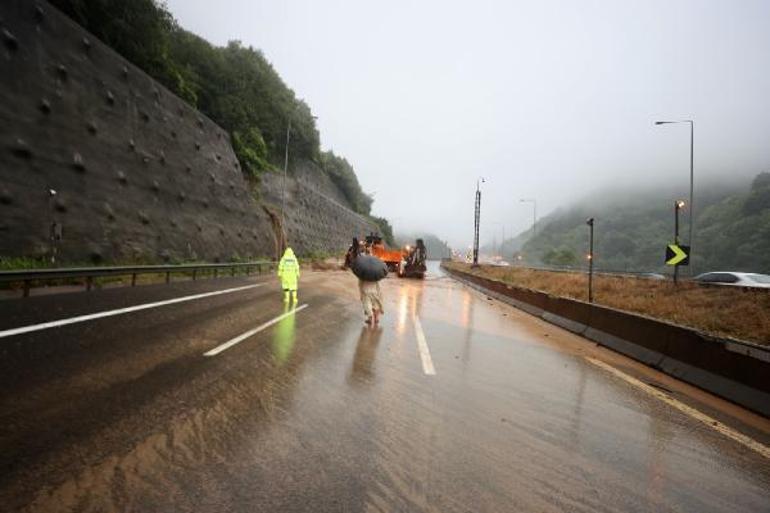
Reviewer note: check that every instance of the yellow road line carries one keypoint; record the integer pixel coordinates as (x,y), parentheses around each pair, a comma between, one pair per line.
(687,410)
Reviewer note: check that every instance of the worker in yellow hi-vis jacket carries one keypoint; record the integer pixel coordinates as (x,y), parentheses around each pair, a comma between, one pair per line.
(288,272)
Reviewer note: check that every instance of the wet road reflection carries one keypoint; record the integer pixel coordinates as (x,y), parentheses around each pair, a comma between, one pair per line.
(362,370)
(284,336)
(322,414)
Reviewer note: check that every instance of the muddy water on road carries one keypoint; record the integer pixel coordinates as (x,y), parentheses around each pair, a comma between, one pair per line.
(321,413)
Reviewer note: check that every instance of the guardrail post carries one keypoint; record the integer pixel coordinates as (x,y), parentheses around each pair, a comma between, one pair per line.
(133,279)
(232,271)
(168,277)
(216,272)
(195,274)
(26,288)
(89,283)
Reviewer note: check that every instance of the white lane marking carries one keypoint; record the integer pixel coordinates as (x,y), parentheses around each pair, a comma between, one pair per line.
(119,311)
(240,338)
(687,410)
(422,347)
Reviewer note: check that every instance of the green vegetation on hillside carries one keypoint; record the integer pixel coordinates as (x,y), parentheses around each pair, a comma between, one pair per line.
(732,231)
(233,85)
(344,177)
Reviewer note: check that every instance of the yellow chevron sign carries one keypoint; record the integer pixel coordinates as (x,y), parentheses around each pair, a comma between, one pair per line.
(677,255)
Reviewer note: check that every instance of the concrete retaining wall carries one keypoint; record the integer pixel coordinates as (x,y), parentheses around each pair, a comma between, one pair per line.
(317,217)
(139,175)
(739,372)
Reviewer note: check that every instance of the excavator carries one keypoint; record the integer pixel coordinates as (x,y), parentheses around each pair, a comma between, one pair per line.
(407,262)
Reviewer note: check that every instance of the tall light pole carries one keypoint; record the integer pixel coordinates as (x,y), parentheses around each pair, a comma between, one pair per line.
(283,188)
(590,223)
(283,184)
(502,243)
(477,222)
(534,213)
(692,173)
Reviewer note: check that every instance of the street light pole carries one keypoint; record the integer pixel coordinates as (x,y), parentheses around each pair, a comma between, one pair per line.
(534,213)
(590,224)
(502,244)
(283,188)
(692,174)
(477,222)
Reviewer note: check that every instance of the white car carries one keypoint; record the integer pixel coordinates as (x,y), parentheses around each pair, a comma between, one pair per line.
(735,279)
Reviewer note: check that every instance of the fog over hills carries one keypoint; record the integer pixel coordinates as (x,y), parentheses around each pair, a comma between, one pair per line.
(731,232)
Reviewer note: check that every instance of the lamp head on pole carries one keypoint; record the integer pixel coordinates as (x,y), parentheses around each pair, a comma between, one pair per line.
(680,204)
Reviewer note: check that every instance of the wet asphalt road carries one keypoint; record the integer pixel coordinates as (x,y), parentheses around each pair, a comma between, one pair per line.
(318,413)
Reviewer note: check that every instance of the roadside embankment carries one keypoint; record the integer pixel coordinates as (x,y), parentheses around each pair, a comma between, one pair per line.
(719,311)
(731,369)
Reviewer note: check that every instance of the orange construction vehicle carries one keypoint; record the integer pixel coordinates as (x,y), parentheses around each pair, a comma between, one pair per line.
(407,262)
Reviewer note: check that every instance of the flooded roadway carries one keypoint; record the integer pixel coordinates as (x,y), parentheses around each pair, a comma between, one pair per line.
(317,412)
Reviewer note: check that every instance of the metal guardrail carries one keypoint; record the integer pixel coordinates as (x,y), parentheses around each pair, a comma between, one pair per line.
(28,276)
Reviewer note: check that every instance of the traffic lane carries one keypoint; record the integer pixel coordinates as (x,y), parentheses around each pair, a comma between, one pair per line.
(503,426)
(90,372)
(37,309)
(108,347)
(354,424)
(186,447)
(558,339)
(350,421)
(26,358)
(570,418)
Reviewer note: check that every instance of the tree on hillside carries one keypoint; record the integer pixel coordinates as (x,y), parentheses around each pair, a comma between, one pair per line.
(732,230)
(564,257)
(344,177)
(759,196)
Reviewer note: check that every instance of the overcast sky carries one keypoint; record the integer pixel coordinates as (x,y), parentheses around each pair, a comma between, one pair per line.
(545,99)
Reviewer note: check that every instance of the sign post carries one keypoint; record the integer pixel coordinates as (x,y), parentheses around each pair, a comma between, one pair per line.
(677,254)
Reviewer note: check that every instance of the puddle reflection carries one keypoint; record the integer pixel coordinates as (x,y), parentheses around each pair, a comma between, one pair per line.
(362,370)
(284,336)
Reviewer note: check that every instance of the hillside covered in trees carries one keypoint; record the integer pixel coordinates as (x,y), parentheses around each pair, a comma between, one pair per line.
(234,85)
(732,230)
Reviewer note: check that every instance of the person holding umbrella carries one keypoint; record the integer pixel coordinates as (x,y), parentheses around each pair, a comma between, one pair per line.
(370,270)
(371,299)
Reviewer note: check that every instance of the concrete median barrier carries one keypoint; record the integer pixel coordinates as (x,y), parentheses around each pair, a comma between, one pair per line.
(734,370)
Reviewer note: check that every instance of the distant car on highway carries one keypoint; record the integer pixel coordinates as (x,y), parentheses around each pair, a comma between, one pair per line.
(735,279)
